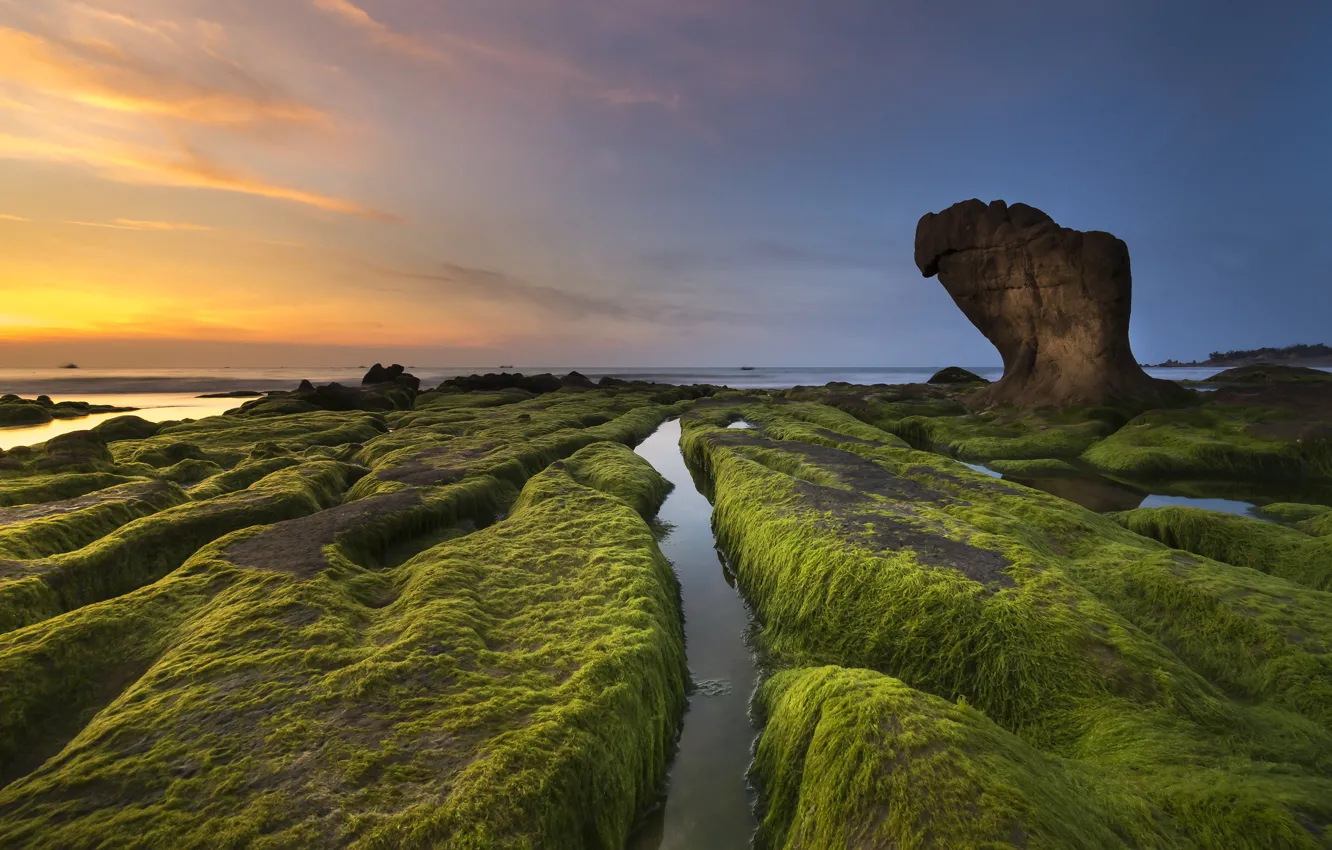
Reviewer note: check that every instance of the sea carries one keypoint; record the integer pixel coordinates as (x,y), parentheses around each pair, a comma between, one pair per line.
(173,394)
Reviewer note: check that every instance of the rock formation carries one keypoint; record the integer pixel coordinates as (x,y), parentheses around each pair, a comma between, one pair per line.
(1054,301)
(956,375)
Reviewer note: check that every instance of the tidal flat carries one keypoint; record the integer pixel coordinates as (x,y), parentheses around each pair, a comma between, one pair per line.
(382,617)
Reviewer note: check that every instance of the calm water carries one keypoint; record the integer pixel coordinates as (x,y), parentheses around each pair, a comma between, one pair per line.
(171,393)
(155,407)
(185,380)
(708,805)
(1102,495)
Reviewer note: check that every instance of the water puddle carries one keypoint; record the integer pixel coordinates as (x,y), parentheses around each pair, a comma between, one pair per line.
(1229,506)
(708,804)
(982,469)
(741,425)
(1103,495)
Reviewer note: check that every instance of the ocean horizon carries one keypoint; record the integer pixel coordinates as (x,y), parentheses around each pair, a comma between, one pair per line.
(64,383)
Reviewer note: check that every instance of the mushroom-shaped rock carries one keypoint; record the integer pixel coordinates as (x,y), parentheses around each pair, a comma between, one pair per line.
(1054,301)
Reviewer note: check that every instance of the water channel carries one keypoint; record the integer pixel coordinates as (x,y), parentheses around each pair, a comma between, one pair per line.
(708,804)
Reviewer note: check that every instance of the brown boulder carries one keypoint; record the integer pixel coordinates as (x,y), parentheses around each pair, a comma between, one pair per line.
(1054,301)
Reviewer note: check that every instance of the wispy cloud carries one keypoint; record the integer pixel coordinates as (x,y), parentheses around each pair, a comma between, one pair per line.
(763,254)
(499,286)
(7,217)
(473,56)
(380,33)
(100,74)
(162,225)
(184,167)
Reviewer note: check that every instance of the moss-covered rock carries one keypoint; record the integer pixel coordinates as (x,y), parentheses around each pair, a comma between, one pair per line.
(1238,540)
(1045,467)
(956,375)
(125,428)
(1172,680)
(517,687)
(1217,441)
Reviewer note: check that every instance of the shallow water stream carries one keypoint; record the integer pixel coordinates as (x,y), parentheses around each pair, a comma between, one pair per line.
(708,803)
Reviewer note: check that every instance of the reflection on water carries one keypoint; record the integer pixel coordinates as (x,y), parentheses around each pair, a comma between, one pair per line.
(155,407)
(982,469)
(1229,506)
(1104,495)
(741,425)
(708,805)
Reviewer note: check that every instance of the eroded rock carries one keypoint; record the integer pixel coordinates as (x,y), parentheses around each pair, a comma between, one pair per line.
(1053,300)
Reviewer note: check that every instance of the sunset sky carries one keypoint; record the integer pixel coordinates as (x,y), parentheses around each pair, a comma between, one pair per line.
(651,182)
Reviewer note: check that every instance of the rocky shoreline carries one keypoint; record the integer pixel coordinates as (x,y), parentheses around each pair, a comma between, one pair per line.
(387,615)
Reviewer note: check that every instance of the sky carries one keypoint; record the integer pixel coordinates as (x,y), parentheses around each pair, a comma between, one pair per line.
(638,182)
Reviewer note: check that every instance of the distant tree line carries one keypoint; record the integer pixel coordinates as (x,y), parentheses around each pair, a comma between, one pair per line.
(1289,352)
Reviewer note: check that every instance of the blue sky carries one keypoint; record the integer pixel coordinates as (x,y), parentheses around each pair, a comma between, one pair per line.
(638,183)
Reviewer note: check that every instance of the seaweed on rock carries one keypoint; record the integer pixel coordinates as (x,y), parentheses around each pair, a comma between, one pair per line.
(520,687)
(1238,540)
(1194,694)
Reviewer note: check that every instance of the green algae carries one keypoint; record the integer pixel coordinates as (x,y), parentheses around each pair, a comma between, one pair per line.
(148,548)
(1238,540)
(16,412)
(55,527)
(1085,642)
(854,758)
(1046,467)
(35,489)
(1208,442)
(520,688)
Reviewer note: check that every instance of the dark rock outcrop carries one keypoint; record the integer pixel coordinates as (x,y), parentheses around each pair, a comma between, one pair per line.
(1054,301)
(578,381)
(1270,373)
(378,374)
(955,375)
(493,381)
(305,386)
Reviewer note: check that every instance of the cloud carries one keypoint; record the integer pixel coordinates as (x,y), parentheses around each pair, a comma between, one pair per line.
(184,167)
(7,217)
(473,57)
(763,254)
(99,74)
(379,33)
(161,225)
(629,97)
(493,285)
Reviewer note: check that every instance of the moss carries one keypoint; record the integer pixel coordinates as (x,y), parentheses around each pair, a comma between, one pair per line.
(50,488)
(189,471)
(15,411)
(49,529)
(1182,679)
(853,758)
(125,428)
(1208,442)
(612,468)
(240,477)
(16,415)
(1238,540)
(1291,513)
(146,549)
(515,687)
(228,440)
(1046,467)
